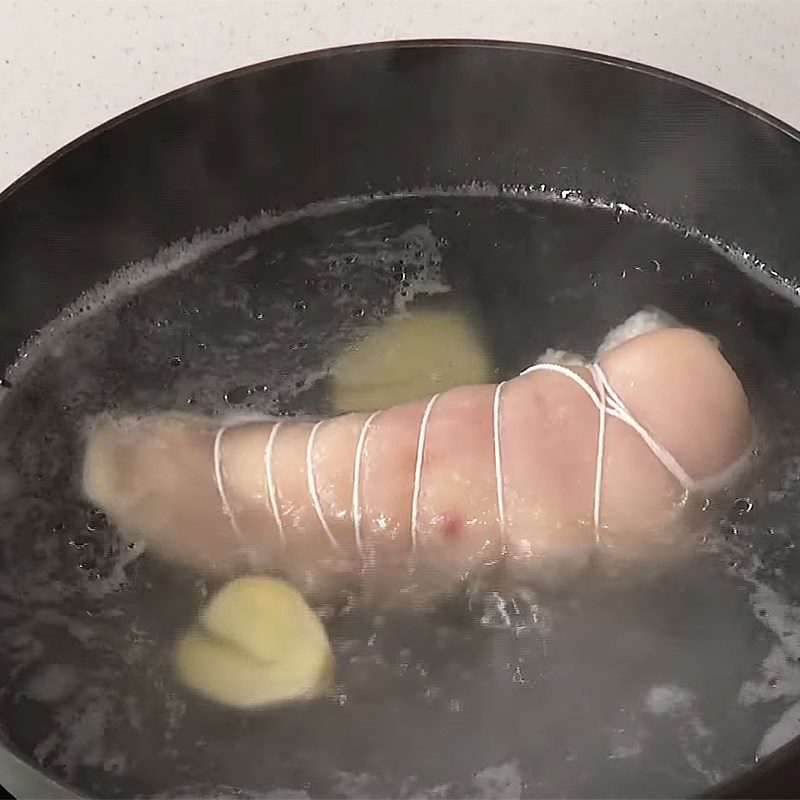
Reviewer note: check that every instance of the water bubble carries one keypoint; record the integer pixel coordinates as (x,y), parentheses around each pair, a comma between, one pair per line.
(495,611)
(743,506)
(95,520)
(519,676)
(728,530)
(686,277)
(238,394)
(656,265)
(80,541)
(432,692)
(114,764)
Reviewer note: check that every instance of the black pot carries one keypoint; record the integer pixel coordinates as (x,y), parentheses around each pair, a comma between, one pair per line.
(372,120)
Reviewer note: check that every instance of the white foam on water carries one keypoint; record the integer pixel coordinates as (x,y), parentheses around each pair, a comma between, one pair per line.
(694,736)
(779,677)
(85,744)
(645,321)
(781,732)
(495,782)
(225,792)
(625,744)
(356,785)
(52,683)
(668,700)
(501,782)
(132,278)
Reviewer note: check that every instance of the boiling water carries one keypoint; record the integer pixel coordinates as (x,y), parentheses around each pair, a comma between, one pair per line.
(656,687)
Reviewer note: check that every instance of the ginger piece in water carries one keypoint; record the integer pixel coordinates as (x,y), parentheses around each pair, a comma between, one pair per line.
(256,644)
(407,357)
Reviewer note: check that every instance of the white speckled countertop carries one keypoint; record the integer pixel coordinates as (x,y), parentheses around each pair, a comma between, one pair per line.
(66,66)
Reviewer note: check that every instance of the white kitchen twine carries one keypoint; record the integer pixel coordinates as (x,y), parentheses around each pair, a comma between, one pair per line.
(608,403)
(312,484)
(362,438)
(272,492)
(604,397)
(423,432)
(498,465)
(219,481)
(269,478)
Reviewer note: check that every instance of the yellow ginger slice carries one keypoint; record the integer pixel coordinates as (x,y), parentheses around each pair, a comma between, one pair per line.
(408,357)
(257,644)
